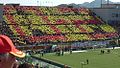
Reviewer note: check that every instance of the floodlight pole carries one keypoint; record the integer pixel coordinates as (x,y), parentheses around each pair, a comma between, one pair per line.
(52,3)
(37,3)
(108,2)
(101,3)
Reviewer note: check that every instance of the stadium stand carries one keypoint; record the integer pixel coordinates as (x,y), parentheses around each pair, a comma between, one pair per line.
(34,24)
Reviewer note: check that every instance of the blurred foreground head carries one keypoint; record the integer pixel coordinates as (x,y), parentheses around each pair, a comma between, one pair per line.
(8,52)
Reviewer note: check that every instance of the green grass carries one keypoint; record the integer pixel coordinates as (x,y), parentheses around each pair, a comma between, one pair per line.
(96,60)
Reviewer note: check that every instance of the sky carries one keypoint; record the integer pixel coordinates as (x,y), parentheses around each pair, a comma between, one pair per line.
(47,2)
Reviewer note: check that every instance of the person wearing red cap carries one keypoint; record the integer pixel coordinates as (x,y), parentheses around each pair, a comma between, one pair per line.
(8,52)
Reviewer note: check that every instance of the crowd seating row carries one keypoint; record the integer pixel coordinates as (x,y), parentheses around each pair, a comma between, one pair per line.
(72,37)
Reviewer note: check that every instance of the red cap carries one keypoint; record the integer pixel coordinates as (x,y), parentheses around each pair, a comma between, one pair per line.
(7,46)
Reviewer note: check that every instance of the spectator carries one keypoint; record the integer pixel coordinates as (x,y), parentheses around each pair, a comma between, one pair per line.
(37,65)
(108,51)
(102,51)
(87,61)
(16,64)
(113,47)
(70,50)
(8,52)
(42,52)
(26,65)
(62,52)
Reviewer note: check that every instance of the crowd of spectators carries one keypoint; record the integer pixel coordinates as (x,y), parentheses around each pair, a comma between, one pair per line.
(55,24)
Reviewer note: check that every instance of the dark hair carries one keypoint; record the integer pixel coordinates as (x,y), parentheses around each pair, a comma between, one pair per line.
(4,54)
(26,65)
